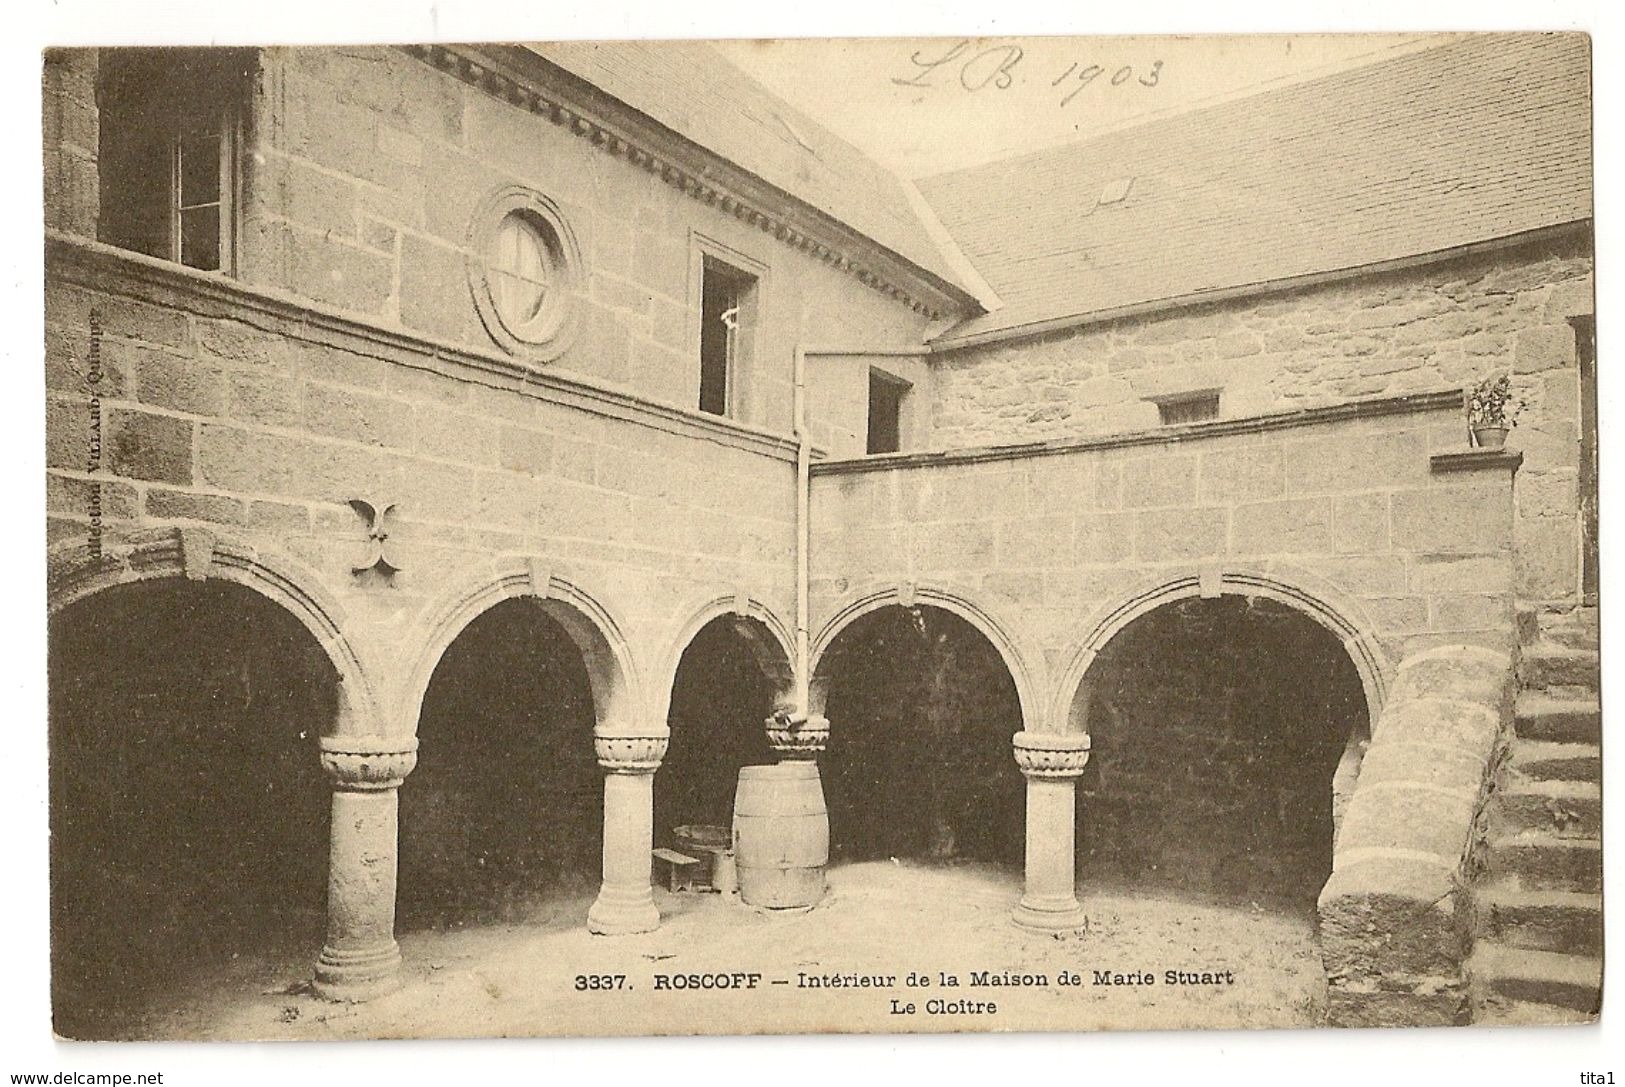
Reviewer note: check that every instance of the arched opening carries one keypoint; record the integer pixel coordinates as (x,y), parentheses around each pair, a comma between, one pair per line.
(1217,726)
(502,818)
(720,697)
(188,807)
(919,765)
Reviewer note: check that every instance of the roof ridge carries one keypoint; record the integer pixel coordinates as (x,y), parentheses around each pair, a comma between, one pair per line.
(1485,136)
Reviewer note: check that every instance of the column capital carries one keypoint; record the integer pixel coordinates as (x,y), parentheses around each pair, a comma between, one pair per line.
(1051,755)
(368,763)
(802,740)
(630,754)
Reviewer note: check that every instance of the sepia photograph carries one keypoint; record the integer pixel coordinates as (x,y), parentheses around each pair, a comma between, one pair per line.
(835,535)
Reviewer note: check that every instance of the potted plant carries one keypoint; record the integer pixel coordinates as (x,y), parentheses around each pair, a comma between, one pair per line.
(1491,411)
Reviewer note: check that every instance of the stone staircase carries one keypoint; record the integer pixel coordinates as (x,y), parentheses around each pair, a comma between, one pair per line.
(1538,955)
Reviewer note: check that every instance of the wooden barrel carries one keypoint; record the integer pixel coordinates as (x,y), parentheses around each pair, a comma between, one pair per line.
(781,835)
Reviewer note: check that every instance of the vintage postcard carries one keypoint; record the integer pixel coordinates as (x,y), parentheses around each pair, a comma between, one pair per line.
(735,537)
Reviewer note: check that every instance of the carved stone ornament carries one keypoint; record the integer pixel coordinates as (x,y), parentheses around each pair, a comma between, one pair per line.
(379,517)
(1051,755)
(630,754)
(368,763)
(799,740)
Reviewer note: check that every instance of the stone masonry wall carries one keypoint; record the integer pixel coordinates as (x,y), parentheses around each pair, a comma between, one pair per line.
(373,163)
(221,408)
(68,97)
(838,401)
(1348,506)
(364,169)
(1437,326)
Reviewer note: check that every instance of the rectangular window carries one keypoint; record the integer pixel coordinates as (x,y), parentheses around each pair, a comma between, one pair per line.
(726,297)
(1192,408)
(886,395)
(168,151)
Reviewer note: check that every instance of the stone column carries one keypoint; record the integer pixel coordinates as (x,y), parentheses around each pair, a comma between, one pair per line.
(625,902)
(360,959)
(798,741)
(1051,763)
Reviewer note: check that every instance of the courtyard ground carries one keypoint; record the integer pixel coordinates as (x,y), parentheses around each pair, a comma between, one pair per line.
(879,918)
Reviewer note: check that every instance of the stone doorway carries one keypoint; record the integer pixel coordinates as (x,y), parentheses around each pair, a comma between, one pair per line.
(1217,727)
(188,809)
(503,813)
(919,763)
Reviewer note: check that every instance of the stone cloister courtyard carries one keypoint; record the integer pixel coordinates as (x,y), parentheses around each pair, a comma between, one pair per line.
(1202,840)
(518,976)
(441,543)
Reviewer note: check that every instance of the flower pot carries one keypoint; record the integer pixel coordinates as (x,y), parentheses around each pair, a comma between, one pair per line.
(1490,437)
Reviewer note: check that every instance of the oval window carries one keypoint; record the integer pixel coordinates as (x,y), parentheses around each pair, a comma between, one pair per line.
(521,268)
(523,263)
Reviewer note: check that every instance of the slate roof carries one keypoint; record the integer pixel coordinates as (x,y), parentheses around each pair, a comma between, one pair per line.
(1486,136)
(694,90)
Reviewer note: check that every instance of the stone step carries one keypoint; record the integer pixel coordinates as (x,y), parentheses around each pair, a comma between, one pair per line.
(1541,717)
(1568,809)
(1577,629)
(1517,974)
(1547,862)
(1544,665)
(1501,1012)
(1548,761)
(1566,921)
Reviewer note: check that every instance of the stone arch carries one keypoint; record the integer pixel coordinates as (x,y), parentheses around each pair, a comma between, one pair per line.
(589,624)
(1298,589)
(1020,658)
(770,642)
(76,571)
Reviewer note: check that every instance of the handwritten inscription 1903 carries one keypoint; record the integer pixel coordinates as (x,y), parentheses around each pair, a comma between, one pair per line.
(1001,67)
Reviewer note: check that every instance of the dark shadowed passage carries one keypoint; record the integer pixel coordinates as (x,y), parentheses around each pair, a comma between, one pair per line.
(505,807)
(919,764)
(719,701)
(188,807)
(1217,726)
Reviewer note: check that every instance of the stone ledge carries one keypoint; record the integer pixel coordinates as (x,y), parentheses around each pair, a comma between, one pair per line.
(1471,459)
(1413,403)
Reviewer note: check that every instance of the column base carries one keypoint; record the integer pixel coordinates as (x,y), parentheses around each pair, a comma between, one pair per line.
(1049,915)
(620,911)
(359,974)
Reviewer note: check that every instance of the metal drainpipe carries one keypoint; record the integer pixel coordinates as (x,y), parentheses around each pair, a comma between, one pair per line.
(804,499)
(803,532)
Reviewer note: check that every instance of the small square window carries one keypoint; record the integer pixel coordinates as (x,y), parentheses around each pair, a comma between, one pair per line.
(886,394)
(1195,408)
